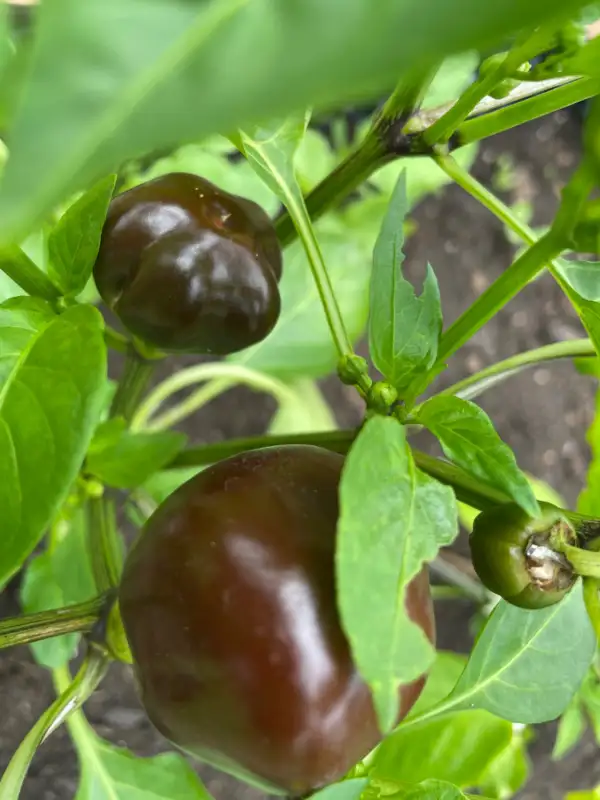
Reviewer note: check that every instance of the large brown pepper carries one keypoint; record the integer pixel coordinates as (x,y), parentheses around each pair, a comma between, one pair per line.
(229,605)
(188,267)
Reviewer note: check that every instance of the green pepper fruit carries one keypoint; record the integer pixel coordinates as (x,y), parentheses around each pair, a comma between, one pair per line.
(514,556)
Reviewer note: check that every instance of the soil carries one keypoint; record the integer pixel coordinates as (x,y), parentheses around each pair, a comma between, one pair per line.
(543,414)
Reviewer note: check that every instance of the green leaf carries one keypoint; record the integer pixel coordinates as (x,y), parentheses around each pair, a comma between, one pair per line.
(160,485)
(582,276)
(21,318)
(211,66)
(589,499)
(570,730)
(301,343)
(74,241)
(125,459)
(588,311)
(468,438)
(592,794)
(112,773)
(307,412)
(435,790)
(509,771)
(457,747)
(348,790)
(51,581)
(527,665)
(50,404)
(271,152)
(585,61)
(393,518)
(404,329)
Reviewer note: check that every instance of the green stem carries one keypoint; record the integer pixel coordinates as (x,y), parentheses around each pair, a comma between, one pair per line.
(228,372)
(377,149)
(468,490)
(443,128)
(116,340)
(523,270)
(540,254)
(21,269)
(72,697)
(474,385)
(27,628)
(344,179)
(585,562)
(104,543)
(591,597)
(560,96)
(135,378)
(467,586)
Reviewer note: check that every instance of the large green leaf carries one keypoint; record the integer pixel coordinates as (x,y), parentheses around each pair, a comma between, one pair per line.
(102,68)
(392,519)
(404,329)
(50,403)
(527,665)
(457,748)
(60,576)
(468,438)
(112,773)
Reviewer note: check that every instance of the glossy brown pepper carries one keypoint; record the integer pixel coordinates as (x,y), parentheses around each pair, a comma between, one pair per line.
(228,602)
(188,267)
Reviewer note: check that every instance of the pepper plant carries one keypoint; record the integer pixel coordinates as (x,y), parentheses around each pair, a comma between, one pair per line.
(108,111)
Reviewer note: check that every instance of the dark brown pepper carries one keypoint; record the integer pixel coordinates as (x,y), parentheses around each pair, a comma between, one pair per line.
(228,602)
(188,267)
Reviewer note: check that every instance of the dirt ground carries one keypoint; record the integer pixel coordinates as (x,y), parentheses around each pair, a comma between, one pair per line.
(542,414)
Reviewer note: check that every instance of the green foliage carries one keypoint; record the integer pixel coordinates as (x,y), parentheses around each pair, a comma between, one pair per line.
(51,393)
(124,459)
(66,135)
(509,672)
(404,329)
(348,790)
(589,499)
(307,412)
(392,519)
(74,241)
(112,773)
(61,576)
(468,438)
(459,747)
(302,317)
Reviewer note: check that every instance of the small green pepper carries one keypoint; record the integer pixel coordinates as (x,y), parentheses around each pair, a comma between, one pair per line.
(514,556)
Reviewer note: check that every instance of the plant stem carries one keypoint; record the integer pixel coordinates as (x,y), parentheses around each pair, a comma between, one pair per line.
(20,268)
(540,254)
(474,385)
(467,586)
(135,378)
(585,562)
(229,373)
(27,628)
(74,695)
(104,543)
(591,597)
(562,95)
(375,150)
(443,128)
(115,340)
(523,270)
(468,490)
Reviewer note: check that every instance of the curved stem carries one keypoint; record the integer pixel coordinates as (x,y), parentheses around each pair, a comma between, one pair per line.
(136,375)
(591,597)
(230,373)
(115,340)
(540,254)
(195,401)
(27,628)
(74,695)
(474,385)
(585,562)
